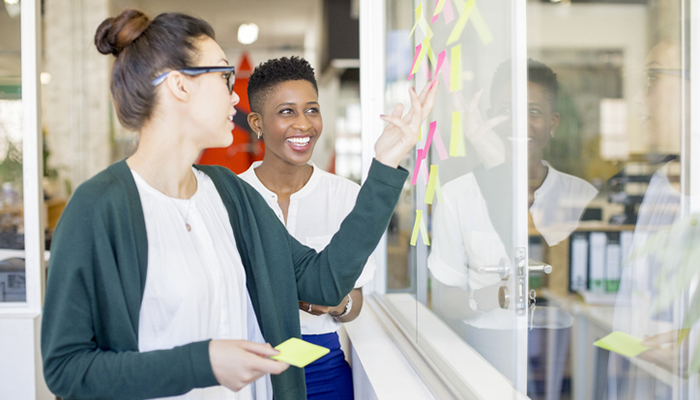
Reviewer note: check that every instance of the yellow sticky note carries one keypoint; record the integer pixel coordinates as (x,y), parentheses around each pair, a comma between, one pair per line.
(431,54)
(430,191)
(438,188)
(419,58)
(439,7)
(622,343)
(456,82)
(419,16)
(425,27)
(481,28)
(424,232)
(461,22)
(299,353)
(457,148)
(416,227)
(419,226)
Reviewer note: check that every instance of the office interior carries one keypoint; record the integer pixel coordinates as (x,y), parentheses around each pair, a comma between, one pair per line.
(543,247)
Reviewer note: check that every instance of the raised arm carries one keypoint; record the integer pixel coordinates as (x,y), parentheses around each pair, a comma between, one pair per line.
(326,278)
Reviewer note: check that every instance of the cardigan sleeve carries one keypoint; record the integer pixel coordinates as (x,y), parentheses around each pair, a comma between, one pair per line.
(325,278)
(89,340)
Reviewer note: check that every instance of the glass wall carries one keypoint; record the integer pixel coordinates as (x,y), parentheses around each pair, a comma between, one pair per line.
(12,271)
(611,234)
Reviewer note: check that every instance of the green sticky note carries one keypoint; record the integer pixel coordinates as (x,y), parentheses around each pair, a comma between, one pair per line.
(299,353)
(622,343)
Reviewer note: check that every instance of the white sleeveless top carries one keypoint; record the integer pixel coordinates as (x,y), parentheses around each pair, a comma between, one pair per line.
(196,283)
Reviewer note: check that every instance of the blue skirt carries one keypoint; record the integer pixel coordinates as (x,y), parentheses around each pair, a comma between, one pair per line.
(329,377)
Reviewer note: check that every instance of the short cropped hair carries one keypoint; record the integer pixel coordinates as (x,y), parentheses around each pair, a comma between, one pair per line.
(273,72)
(537,72)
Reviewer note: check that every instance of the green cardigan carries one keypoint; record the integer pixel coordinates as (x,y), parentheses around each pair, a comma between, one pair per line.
(97,275)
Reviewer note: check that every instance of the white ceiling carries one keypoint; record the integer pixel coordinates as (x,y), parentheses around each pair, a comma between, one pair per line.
(283,23)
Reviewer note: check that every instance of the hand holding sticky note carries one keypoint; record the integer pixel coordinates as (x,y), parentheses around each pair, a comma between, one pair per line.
(299,353)
(622,343)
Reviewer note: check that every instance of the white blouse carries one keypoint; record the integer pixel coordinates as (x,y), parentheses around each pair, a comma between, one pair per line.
(314,216)
(196,283)
(465,240)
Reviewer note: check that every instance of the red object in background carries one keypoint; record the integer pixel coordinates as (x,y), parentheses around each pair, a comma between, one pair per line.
(246,148)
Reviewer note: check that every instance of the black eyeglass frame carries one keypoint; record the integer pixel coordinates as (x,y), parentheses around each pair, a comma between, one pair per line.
(228,71)
(649,75)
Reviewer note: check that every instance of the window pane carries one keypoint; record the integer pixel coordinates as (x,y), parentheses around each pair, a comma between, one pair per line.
(12,277)
(617,125)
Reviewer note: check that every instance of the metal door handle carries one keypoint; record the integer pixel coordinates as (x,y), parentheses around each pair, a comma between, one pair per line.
(538,266)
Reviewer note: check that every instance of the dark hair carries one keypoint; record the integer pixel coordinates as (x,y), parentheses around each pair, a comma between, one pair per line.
(144,49)
(273,72)
(537,72)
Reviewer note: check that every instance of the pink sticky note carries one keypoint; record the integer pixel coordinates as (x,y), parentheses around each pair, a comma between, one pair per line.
(415,58)
(435,16)
(441,59)
(429,140)
(440,145)
(416,169)
(424,172)
(448,12)
(426,69)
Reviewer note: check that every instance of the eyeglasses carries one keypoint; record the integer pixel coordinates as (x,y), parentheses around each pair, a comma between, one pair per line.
(229,73)
(649,76)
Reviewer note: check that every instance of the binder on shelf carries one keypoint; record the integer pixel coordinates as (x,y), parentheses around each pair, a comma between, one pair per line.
(578,279)
(612,265)
(598,245)
(625,246)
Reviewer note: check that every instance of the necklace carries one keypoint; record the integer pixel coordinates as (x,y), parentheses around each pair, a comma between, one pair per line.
(165,192)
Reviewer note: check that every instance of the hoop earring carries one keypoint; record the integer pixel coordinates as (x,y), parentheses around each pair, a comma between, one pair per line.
(259,134)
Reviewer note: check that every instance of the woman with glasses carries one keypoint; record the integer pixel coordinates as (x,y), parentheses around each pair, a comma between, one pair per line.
(168,279)
(310,202)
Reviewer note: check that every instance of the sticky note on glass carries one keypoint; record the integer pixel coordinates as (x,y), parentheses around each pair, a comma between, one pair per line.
(456,68)
(299,353)
(622,343)
(457,148)
(419,227)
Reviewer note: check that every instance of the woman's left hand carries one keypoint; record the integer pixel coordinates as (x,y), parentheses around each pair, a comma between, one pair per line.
(401,134)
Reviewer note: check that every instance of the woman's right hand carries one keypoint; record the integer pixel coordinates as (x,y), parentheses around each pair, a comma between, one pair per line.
(237,363)
(401,134)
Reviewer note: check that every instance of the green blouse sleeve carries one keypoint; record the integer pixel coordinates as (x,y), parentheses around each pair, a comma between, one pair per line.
(325,278)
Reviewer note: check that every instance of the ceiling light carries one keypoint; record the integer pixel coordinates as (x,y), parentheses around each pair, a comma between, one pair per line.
(247,33)
(45,78)
(11,2)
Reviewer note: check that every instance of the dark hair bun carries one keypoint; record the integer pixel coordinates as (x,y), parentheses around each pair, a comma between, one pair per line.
(114,34)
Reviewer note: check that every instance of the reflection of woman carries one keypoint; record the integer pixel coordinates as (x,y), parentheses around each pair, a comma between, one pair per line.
(167,279)
(310,202)
(472,225)
(662,247)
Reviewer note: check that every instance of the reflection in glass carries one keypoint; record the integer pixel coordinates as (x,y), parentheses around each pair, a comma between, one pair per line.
(12,277)
(656,280)
(471,227)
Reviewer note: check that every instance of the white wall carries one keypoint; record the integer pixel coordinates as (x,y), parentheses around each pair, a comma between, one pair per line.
(596,26)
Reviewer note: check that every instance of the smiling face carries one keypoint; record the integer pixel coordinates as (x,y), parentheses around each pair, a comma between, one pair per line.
(212,106)
(542,119)
(659,101)
(290,122)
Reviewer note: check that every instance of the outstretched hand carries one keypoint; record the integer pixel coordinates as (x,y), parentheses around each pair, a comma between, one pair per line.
(237,363)
(479,132)
(401,134)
